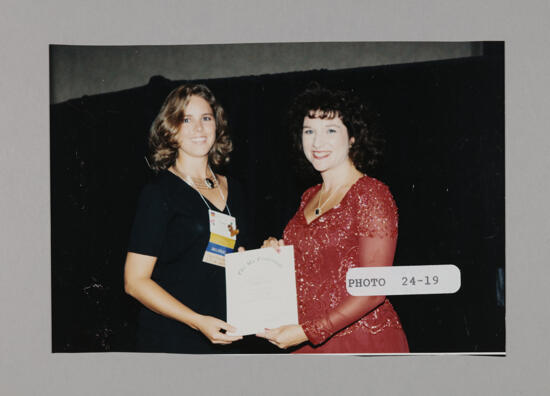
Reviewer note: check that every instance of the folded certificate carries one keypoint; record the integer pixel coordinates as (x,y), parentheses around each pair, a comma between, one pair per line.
(261,289)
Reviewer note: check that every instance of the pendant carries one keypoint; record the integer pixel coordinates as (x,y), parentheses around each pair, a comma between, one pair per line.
(209,183)
(317,211)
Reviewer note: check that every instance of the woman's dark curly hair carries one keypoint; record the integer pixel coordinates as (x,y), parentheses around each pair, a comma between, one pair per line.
(163,145)
(319,102)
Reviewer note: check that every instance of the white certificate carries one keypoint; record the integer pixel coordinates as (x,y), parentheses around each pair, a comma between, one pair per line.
(261,289)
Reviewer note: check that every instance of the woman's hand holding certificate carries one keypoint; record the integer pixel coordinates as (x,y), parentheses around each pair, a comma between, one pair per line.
(285,336)
(272,242)
(210,327)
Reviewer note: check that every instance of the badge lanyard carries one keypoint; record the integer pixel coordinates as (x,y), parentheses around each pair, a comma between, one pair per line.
(223,228)
(223,233)
(223,199)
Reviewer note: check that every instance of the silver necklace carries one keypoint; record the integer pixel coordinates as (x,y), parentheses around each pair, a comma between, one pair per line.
(189,180)
(206,183)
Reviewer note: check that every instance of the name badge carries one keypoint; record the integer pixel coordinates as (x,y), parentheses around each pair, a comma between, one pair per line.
(223,235)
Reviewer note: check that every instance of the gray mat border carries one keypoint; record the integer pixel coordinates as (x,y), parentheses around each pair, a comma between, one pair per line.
(26,364)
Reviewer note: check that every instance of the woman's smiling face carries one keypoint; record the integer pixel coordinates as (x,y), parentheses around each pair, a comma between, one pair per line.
(198,130)
(325,142)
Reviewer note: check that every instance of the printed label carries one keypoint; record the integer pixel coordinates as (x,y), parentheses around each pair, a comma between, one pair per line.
(413,279)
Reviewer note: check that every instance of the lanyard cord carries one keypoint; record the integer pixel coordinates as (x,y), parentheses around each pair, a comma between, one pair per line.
(223,198)
(190,182)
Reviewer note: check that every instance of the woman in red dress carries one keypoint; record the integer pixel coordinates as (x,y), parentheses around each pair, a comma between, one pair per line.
(350,220)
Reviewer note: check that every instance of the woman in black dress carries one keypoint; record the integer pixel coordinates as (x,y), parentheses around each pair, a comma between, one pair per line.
(183,296)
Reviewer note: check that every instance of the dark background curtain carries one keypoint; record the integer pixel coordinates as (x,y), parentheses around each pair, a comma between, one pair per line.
(444,162)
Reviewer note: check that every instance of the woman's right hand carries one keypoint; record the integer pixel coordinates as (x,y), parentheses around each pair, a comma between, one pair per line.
(210,327)
(272,242)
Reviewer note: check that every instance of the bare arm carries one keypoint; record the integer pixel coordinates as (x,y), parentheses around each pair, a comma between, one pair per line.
(138,283)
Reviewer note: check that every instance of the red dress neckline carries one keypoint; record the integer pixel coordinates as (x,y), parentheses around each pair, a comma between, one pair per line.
(314,191)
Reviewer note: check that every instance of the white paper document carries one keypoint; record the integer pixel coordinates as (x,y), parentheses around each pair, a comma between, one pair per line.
(261,289)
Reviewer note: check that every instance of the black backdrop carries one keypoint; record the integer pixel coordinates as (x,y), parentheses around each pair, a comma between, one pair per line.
(444,162)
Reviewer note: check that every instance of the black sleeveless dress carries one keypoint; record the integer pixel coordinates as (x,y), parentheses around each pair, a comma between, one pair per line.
(171,224)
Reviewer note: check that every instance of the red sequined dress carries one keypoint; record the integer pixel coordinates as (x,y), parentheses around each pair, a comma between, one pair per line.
(360,231)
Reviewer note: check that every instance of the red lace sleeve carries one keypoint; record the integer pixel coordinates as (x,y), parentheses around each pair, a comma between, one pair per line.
(376,211)
(376,238)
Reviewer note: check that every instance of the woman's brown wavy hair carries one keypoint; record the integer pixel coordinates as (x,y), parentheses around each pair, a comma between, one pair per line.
(163,145)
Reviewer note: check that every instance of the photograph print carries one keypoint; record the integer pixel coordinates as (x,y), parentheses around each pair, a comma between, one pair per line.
(357,154)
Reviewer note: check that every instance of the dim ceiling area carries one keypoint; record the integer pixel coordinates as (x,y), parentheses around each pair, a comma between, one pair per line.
(76,71)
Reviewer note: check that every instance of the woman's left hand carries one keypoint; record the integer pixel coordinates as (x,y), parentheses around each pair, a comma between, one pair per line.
(285,336)
(272,242)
